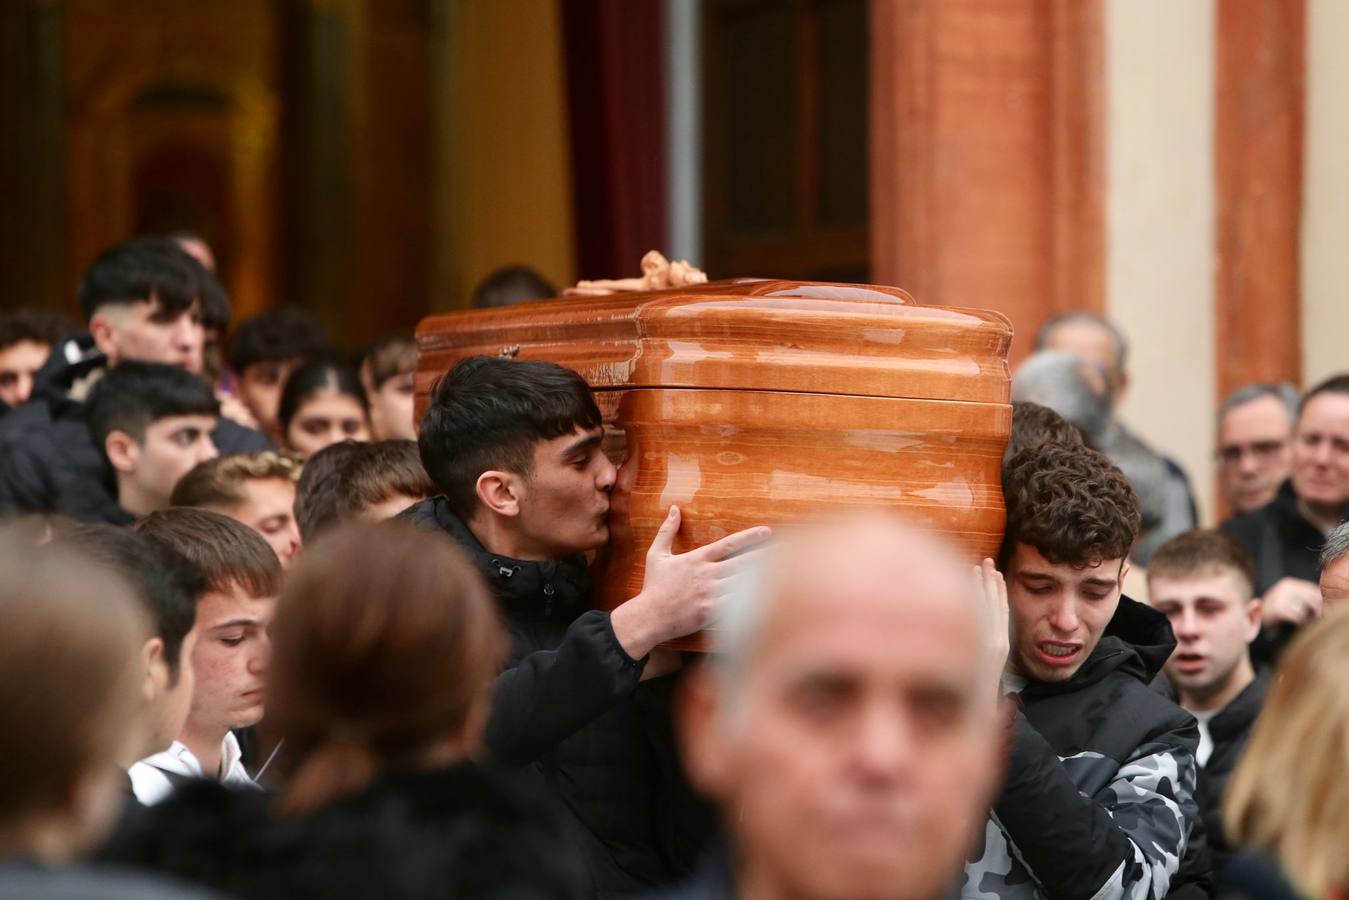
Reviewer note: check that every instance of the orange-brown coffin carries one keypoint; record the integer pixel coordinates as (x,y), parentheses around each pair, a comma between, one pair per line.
(767,402)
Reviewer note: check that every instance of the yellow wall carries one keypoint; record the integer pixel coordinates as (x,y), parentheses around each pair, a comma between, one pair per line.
(503,191)
(1160,223)
(1325,212)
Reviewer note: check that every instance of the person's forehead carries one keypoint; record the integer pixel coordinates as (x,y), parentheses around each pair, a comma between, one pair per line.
(1028,561)
(219,607)
(1328,411)
(562,443)
(1211,582)
(170,424)
(1083,337)
(329,402)
(1261,416)
(24,351)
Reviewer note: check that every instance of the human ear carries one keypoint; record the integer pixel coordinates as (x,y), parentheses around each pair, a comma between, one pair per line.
(701,734)
(1255,611)
(123,451)
(499,492)
(104,332)
(156,670)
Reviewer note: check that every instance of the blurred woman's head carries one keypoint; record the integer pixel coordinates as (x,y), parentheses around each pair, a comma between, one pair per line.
(1289,794)
(321,404)
(70,689)
(385,646)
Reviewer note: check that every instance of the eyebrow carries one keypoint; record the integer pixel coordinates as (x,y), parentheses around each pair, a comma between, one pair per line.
(580,444)
(237,623)
(1101,582)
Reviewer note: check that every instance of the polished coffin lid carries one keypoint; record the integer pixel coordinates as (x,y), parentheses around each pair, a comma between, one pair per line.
(743,334)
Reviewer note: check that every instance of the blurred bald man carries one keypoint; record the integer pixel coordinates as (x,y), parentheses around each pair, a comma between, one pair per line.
(847,728)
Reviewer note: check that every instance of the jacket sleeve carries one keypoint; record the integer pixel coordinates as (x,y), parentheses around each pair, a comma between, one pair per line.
(550,694)
(1124,843)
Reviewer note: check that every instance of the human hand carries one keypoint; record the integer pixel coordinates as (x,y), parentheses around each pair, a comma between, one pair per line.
(681,591)
(1291,600)
(993,590)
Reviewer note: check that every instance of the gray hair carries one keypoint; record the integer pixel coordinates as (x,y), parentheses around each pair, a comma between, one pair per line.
(1059,380)
(1284,392)
(1082,315)
(1336,545)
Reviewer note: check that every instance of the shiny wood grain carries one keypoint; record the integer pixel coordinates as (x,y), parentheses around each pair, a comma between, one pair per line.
(735,459)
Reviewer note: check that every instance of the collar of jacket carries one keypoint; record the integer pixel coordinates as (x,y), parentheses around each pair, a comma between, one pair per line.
(1285,503)
(1236,717)
(1137,641)
(554,589)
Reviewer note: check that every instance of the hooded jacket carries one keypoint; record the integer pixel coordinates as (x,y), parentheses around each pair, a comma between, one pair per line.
(569,711)
(1099,798)
(464,831)
(48,461)
(1230,730)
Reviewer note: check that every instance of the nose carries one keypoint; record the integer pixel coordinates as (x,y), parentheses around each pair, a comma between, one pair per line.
(25,389)
(604,479)
(293,541)
(1063,617)
(885,742)
(1247,463)
(257,663)
(1186,625)
(208,450)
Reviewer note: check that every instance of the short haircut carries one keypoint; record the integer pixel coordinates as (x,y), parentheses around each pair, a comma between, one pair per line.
(1061,381)
(1070,503)
(489,412)
(215,300)
(220,481)
(1033,425)
(317,494)
(165,582)
(1082,315)
(1284,392)
(1199,552)
(41,326)
(1336,545)
(136,394)
(70,673)
(228,553)
(390,357)
(139,270)
(509,285)
(1335,384)
(277,335)
(314,377)
(376,472)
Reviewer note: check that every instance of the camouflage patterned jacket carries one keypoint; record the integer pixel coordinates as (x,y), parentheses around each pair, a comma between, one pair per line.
(1099,798)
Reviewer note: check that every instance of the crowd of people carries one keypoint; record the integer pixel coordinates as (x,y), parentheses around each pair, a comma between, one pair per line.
(267,635)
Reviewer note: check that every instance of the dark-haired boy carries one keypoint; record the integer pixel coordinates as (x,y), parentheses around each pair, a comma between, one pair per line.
(264,350)
(153,422)
(26,340)
(242,578)
(1203,582)
(168,586)
(515,446)
(143,301)
(1099,796)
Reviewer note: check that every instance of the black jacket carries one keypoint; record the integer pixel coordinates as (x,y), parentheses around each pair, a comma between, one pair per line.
(1282,544)
(1099,796)
(48,462)
(1230,730)
(465,831)
(569,711)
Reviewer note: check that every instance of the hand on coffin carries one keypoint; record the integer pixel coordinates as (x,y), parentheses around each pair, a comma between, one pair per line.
(658,274)
(992,591)
(681,591)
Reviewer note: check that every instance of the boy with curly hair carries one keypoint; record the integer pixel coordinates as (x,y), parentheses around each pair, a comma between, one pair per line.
(1099,796)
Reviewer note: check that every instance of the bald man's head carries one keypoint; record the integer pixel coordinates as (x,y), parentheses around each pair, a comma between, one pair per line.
(848,727)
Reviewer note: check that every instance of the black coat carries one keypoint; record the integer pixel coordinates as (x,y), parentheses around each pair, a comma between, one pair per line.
(460,832)
(1283,544)
(1101,779)
(570,712)
(48,462)
(1230,730)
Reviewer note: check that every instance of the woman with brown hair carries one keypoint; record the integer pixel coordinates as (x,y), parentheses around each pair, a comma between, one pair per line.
(1289,795)
(385,645)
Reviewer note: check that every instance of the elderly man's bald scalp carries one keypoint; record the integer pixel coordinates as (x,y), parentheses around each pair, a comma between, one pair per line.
(867,557)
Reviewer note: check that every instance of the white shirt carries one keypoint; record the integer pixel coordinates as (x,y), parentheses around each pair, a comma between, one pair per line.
(150,777)
(1205,739)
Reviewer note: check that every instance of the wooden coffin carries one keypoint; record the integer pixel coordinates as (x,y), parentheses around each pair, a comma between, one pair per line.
(753,402)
